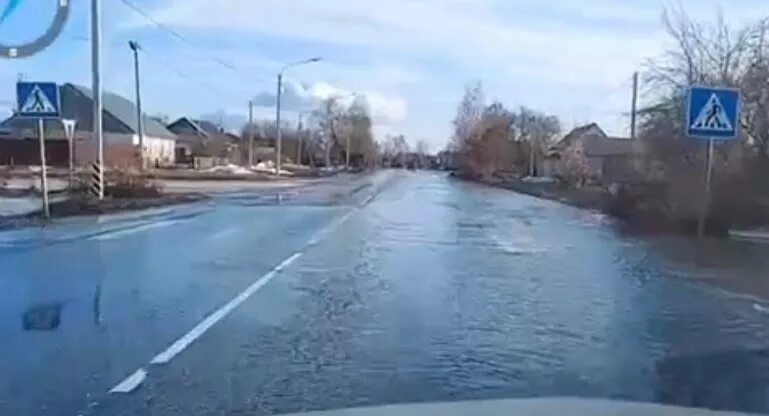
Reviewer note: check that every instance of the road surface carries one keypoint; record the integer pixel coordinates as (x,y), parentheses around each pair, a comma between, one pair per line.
(391,288)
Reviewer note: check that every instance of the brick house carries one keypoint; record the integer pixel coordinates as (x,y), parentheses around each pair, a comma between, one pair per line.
(203,139)
(609,159)
(121,140)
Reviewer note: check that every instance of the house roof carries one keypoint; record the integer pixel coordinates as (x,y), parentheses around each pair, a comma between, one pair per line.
(119,114)
(233,137)
(189,126)
(207,126)
(125,112)
(579,132)
(596,142)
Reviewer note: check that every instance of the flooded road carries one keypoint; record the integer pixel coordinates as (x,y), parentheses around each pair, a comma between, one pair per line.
(410,287)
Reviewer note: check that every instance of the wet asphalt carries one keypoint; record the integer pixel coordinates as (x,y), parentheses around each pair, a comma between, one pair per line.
(395,287)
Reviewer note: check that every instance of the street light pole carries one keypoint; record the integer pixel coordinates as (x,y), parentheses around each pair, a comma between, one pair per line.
(299,135)
(347,152)
(279,141)
(250,134)
(139,119)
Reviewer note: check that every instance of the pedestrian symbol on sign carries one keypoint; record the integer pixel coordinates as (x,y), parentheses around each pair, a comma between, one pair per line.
(713,113)
(712,117)
(38,99)
(38,102)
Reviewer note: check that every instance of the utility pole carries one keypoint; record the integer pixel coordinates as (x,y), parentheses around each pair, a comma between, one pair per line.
(98,132)
(250,134)
(634,107)
(139,118)
(525,132)
(279,141)
(299,141)
(347,152)
(331,139)
(43,173)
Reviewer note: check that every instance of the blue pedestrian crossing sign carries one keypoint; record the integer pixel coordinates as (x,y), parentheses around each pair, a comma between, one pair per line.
(38,99)
(713,113)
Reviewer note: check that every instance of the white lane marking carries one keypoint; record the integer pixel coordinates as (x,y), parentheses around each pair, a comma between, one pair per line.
(182,343)
(224,234)
(762,309)
(206,324)
(287,262)
(134,380)
(131,382)
(341,221)
(132,215)
(315,240)
(122,233)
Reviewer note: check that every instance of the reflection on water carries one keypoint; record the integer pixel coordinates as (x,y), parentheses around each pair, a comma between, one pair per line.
(42,318)
(715,379)
(440,290)
(470,293)
(738,266)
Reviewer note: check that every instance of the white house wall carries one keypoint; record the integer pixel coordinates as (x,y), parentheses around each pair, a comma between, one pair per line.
(157,149)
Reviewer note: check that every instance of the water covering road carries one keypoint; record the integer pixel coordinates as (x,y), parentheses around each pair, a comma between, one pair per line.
(400,287)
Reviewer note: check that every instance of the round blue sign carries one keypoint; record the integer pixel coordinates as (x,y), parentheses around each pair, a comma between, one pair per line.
(42,42)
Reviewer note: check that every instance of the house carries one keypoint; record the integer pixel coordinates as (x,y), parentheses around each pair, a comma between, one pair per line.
(448,160)
(608,159)
(203,139)
(121,139)
(15,150)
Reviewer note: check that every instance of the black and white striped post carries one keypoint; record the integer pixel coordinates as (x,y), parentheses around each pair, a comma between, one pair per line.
(97,180)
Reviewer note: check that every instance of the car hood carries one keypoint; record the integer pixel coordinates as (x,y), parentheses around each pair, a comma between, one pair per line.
(525,407)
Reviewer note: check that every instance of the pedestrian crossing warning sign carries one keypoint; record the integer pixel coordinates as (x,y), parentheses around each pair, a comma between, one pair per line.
(713,113)
(712,117)
(37,99)
(37,102)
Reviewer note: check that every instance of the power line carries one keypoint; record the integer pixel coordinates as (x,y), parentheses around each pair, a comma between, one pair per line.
(209,87)
(175,33)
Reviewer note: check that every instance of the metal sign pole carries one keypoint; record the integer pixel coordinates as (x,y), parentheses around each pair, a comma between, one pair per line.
(708,179)
(43,173)
(71,142)
(69,131)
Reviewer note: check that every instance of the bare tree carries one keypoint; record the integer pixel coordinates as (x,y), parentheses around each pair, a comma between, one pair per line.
(355,127)
(493,140)
(328,118)
(714,54)
(711,54)
(422,149)
(535,131)
(576,168)
(469,113)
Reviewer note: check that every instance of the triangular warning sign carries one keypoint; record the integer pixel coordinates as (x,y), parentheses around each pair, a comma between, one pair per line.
(37,102)
(712,117)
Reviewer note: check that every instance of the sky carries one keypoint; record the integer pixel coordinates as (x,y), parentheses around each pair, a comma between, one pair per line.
(410,59)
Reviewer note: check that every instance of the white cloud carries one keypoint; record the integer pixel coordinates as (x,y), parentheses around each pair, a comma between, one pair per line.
(297,97)
(411,57)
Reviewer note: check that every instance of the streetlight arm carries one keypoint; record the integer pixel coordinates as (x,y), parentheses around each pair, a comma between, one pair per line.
(305,61)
